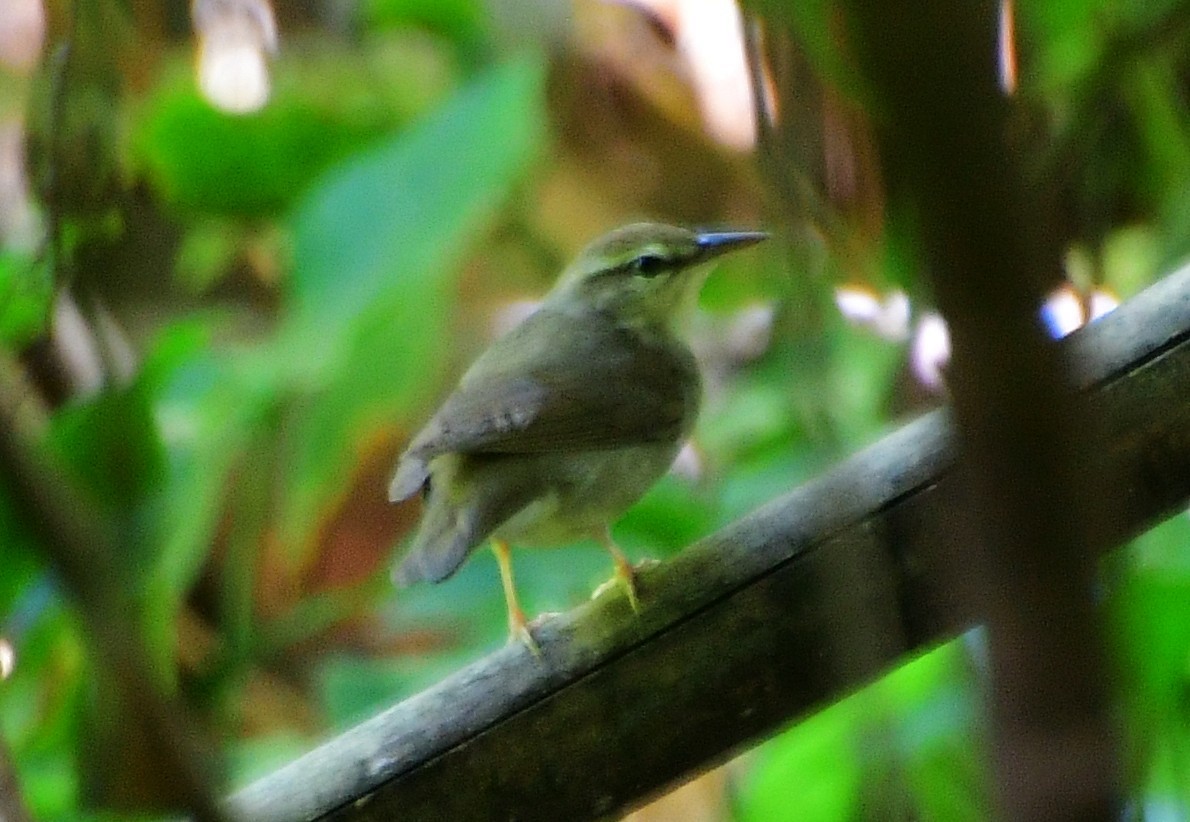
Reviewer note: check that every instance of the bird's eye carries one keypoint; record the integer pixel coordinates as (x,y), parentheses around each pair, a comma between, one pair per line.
(649,265)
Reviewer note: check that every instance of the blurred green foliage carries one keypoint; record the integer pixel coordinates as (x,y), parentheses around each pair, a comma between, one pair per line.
(396,176)
(323,108)
(375,245)
(25,291)
(915,734)
(458,21)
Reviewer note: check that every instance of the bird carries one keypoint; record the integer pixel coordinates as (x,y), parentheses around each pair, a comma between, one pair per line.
(568,419)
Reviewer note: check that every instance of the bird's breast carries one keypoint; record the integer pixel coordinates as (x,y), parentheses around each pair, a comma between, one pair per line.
(585,492)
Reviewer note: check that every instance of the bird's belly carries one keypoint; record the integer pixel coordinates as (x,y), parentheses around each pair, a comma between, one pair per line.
(589,491)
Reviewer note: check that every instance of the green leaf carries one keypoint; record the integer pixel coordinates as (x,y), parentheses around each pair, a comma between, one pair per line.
(39,709)
(407,208)
(156,456)
(322,109)
(19,554)
(1156,99)
(1131,259)
(460,20)
(110,446)
(909,740)
(376,247)
(26,292)
(209,408)
(935,710)
(1150,607)
(809,773)
(1151,636)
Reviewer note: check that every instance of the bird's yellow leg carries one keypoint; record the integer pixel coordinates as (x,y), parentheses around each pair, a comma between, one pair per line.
(625,573)
(518,626)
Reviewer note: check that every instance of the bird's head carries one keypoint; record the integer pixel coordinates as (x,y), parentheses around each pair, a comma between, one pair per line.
(644,274)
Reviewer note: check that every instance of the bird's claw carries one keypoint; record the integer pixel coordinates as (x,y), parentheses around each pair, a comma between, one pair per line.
(604,587)
(525,637)
(542,618)
(625,577)
(518,630)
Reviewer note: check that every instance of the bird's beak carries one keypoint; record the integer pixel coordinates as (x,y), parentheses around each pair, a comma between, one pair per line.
(713,243)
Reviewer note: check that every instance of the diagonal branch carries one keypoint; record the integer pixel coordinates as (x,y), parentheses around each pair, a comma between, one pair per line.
(742,632)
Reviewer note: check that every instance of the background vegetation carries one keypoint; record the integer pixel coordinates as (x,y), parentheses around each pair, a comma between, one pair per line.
(264,307)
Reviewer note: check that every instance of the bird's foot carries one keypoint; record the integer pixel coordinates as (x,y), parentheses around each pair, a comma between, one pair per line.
(625,577)
(604,587)
(518,631)
(543,618)
(518,626)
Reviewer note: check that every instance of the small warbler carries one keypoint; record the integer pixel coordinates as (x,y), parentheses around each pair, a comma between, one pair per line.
(565,421)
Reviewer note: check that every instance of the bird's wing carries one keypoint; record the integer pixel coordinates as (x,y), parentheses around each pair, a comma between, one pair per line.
(564,383)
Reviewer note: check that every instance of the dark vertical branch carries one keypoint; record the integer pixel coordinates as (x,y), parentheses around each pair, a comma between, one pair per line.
(1029,445)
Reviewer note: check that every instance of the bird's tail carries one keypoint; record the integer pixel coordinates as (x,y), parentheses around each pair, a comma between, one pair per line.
(409,477)
(453,522)
(444,540)
(449,533)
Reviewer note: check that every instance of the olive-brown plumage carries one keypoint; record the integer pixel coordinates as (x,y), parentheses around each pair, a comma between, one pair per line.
(568,419)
